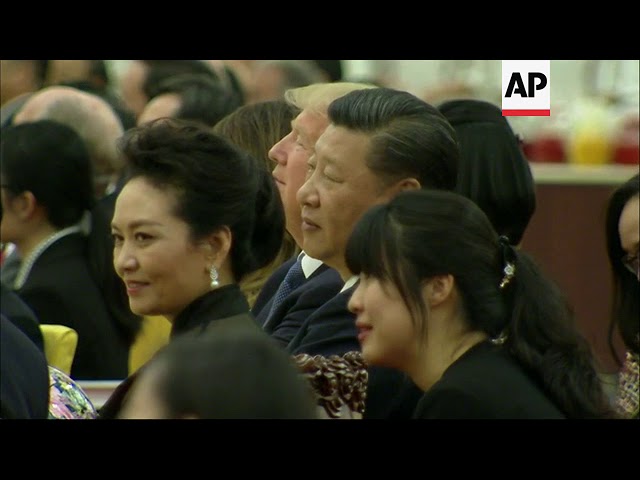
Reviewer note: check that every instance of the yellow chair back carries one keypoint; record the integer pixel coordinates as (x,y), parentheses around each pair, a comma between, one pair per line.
(153,335)
(60,343)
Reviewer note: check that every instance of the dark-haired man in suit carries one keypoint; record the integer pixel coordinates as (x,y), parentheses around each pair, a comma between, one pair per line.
(281,313)
(379,143)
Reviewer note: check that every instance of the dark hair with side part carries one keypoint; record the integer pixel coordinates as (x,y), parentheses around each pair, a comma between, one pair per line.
(51,161)
(425,233)
(202,98)
(160,70)
(409,137)
(217,185)
(233,374)
(493,170)
(626,298)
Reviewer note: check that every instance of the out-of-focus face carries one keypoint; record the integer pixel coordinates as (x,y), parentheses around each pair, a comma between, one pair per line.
(269,81)
(131,87)
(385,331)
(153,254)
(628,227)
(165,105)
(16,77)
(68,71)
(339,188)
(144,401)
(291,155)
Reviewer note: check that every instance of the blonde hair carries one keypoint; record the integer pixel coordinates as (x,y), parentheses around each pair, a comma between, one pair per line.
(318,96)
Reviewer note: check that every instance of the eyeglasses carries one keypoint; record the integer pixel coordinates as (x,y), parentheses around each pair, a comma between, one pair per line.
(631,263)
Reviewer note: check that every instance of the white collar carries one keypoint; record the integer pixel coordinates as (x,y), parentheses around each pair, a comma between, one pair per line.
(309,264)
(350,283)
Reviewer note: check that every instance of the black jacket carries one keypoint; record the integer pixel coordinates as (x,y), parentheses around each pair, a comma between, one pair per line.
(61,290)
(24,375)
(221,308)
(19,313)
(486,382)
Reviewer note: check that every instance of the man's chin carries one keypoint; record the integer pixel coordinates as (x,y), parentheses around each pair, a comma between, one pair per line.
(314,250)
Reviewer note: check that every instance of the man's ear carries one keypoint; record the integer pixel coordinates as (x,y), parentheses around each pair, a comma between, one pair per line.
(406,184)
(24,205)
(439,289)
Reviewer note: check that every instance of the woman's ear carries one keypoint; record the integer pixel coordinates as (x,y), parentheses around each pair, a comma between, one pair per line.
(439,289)
(219,245)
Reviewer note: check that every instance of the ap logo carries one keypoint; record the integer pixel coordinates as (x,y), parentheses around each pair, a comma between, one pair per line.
(526,88)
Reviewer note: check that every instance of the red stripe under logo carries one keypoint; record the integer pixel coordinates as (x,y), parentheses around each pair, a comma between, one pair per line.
(526,113)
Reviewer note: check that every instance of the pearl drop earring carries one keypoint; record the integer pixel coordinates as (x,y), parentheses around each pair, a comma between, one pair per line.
(213,274)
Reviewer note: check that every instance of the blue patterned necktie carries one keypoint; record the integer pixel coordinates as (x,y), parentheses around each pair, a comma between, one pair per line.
(294,278)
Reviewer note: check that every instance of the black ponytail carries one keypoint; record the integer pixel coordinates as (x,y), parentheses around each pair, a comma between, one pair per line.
(543,335)
(422,234)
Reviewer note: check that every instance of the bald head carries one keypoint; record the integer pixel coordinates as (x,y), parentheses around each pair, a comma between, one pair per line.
(92,118)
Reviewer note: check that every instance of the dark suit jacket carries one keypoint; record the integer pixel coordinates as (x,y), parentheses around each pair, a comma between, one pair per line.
(225,307)
(21,315)
(331,330)
(24,375)
(485,383)
(269,290)
(319,288)
(101,226)
(61,290)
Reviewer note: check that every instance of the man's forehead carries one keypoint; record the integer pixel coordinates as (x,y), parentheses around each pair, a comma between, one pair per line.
(336,139)
(310,123)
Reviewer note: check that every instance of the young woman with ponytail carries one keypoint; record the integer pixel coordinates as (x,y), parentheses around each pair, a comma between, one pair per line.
(470,319)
